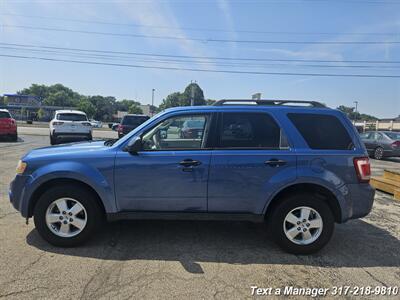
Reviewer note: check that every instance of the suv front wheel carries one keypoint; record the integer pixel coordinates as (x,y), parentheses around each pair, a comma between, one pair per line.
(67,215)
(302,224)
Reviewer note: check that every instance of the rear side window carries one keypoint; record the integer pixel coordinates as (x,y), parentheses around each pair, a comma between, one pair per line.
(71,117)
(4,115)
(324,132)
(250,131)
(134,120)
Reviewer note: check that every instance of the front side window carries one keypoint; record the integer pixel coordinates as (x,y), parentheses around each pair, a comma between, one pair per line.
(365,135)
(250,131)
(177,133)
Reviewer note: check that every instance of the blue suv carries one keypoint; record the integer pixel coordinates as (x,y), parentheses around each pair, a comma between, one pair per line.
(296,165)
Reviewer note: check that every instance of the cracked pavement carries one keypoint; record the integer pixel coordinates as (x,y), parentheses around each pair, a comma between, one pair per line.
(180,260)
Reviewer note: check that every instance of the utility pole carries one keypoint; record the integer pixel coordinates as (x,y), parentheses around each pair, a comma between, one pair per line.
(152,102)
(192,93)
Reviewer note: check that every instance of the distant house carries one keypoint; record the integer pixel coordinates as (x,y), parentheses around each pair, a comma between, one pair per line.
(395,119)
(25,107)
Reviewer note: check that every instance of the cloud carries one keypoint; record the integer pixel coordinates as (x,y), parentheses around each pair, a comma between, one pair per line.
(162,21)
(225,8)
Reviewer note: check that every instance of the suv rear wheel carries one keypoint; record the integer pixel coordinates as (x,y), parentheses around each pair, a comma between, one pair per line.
(67,215)
(53,140)
(302,224)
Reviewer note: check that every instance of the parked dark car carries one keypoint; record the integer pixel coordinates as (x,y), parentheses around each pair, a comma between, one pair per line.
(130,122)
(192,129)
(382,144)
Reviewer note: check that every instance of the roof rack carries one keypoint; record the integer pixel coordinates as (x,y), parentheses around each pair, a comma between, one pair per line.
(269,102)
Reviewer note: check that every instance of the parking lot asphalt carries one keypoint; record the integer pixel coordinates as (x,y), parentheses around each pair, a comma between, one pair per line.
(181,260)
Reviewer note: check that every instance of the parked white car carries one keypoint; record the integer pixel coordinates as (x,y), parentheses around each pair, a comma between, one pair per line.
(96,124)
(68,126)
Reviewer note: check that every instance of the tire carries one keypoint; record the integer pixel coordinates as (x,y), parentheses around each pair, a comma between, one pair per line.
(89,218)
(320,236)
(90,137)
(14,137)
(53,140)
(378,153)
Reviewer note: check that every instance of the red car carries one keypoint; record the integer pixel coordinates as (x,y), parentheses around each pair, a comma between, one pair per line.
(8,126)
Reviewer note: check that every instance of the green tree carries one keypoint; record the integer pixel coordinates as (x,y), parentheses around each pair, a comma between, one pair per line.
(353,115)
(135,109)
(172,100)
(198,95)
(105,107)
(184,99)
(87,107)
(124,105)
(41,113)
(38,90)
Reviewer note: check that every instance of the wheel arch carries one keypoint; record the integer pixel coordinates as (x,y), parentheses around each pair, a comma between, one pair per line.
(320,191)
(61,181)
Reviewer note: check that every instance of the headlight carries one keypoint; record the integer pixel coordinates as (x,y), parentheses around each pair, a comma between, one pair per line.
(21,167)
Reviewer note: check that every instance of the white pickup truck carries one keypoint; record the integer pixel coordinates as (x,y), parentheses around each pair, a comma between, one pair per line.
(68,126)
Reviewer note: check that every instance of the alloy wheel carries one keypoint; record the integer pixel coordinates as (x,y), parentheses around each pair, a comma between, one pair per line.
(66,217)
(303,225)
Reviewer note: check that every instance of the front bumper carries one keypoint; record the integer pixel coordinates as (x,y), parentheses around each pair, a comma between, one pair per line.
(17,194)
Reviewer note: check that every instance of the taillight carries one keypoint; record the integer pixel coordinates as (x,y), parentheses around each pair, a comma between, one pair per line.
(363,168)
(58,123)
(396,144)
(120,128)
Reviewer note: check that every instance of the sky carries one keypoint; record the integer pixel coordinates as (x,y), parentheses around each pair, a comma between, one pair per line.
(247,40)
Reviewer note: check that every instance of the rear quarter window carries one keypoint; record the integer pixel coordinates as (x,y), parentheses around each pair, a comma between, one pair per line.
(323,132)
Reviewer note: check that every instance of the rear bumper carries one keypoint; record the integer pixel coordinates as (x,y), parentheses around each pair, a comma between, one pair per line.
(72,135)
(359,201)
(8,131)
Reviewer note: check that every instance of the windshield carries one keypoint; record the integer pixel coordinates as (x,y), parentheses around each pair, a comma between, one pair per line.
(393,135)
(4,115)
(71,117)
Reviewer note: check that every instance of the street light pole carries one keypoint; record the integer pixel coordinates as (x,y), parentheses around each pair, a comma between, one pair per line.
(152,102)
(355,116)
(356,103)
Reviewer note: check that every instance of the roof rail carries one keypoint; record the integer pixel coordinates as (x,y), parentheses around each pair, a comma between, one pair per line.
(269,102)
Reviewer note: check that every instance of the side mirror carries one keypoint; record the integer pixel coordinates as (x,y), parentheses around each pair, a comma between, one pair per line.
(134,145)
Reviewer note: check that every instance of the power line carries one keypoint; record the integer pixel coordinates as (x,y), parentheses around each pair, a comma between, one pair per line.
(201,29)
(202,70)
(202,57)
(204,40)
(201,62)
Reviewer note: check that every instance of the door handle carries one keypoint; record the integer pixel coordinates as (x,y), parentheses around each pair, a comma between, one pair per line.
(275,162)
(190,163)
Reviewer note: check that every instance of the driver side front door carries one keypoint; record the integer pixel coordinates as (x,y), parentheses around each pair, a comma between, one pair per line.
(170,173)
